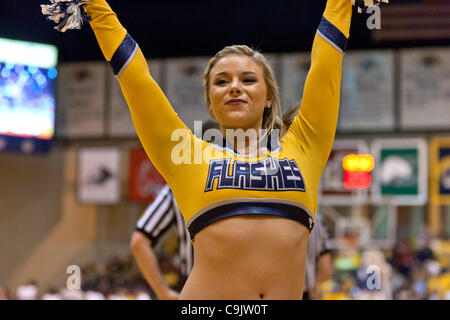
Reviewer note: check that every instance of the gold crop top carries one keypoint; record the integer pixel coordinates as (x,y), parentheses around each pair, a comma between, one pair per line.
(282,181)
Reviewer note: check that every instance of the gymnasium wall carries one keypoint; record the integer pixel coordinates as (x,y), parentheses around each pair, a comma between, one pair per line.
(43,227)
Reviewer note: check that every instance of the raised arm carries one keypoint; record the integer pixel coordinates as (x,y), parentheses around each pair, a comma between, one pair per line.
(315,125)
(153,117)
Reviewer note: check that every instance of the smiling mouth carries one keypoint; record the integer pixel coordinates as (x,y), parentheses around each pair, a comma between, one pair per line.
(236,102)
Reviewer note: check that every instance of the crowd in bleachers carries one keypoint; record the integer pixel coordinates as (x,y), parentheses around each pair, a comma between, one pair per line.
(407,273)
(118,279)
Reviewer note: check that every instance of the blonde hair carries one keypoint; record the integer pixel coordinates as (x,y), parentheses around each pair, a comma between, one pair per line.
(272,117)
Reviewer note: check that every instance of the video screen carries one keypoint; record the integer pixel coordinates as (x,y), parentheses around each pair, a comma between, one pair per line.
(27,89)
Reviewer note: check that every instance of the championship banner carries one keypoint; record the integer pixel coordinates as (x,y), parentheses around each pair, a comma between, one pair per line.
(119,119)
(275,62)
(81,100)
(294,69)
(440,171)
(99,175)
(185,89)
(367,93)
(145,180)
(401,171)
(335,190)
(425,89)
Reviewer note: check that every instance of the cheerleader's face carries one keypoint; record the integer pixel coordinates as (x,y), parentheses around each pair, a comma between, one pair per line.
(238,93)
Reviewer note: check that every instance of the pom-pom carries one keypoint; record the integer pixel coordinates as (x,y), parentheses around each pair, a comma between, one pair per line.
(363,5)
(68,14)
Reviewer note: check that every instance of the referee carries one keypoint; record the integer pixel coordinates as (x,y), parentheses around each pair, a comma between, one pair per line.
(159,217)
(319,266)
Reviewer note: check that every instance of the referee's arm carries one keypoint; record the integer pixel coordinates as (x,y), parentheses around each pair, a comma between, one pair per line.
(156,220)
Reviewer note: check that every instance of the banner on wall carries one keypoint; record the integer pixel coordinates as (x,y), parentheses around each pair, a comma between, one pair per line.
(440,171)
(294,69)
(145,181)
(80,106)
(400,175)
(275,63)
(99,175)
(185,89)
(425,88)
(120,123)
(333,187)
(367,91)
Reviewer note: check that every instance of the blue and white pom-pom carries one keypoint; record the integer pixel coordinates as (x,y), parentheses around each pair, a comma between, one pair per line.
(68,14)
(363,5)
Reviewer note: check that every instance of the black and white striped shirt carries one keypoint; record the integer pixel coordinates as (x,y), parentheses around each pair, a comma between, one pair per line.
(159,217)
(318,245)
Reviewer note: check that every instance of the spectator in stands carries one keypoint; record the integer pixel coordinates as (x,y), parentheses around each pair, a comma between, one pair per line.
(94,295)
(52,294)
(403,257)
(424,251)
(28,292)
(70,294)
(419,286)
(4,294)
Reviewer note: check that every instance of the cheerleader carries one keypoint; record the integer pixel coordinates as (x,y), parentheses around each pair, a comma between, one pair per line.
(249,207)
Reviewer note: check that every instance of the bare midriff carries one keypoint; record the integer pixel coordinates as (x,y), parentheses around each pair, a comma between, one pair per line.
(248,258)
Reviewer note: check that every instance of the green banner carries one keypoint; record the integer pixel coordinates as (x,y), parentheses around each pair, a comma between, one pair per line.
(399,172)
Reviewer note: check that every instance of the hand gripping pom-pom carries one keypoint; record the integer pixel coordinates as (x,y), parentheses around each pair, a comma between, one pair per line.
(363,5)
(68,14)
